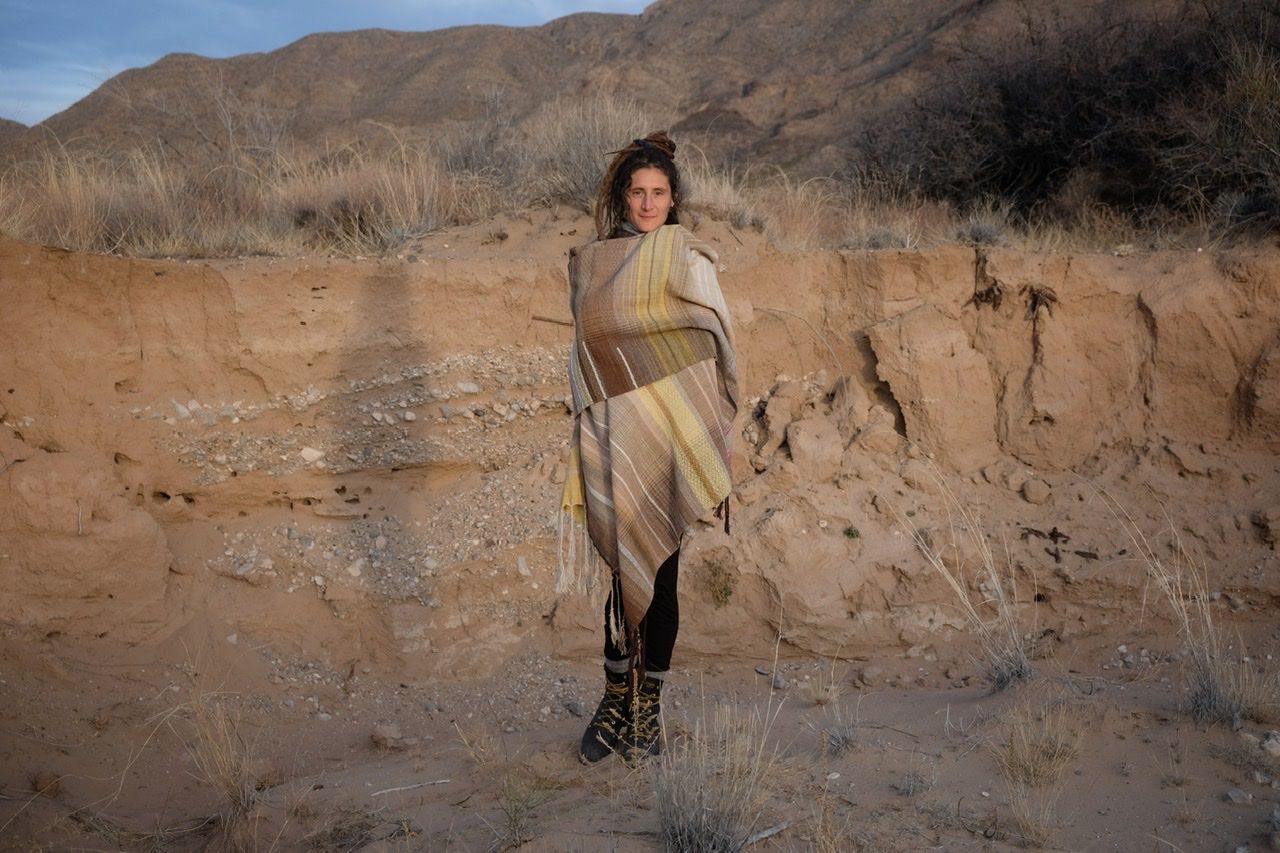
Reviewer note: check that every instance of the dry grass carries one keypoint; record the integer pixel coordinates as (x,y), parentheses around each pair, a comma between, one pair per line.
(568,145)
(1040,746)
(1003,646)
(519,801)
(840,732)
(1219,686)
(480,745)
(710,785)
(222,759)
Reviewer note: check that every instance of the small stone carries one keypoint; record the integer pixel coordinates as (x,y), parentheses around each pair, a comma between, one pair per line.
(1235,602)
(575,707)
(468,388)
(233,639)
(387,736)
(779,683)
(410,416)
(1036,491)
(522,566)
(310,455)
(380,543)
(1237,796)
(324,716)
(1271,743)
(761,669)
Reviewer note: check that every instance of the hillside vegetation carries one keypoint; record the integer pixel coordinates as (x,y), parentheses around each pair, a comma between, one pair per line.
(1031,124)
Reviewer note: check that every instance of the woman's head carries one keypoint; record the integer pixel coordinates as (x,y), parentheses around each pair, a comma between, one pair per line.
(641,187)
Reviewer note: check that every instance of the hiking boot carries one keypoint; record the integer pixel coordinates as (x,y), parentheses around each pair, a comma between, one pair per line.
(608,724)
(645,736)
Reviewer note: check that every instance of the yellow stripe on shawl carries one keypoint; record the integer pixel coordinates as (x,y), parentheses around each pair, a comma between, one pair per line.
(656,253)
(696,457)
(574,500)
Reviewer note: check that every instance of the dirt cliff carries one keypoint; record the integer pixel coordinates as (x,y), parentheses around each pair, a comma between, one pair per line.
(377,443)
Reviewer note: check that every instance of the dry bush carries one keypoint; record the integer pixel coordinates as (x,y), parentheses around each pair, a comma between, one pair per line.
(711,784)
(364,204)
(1002,642)
(568,145)
(1040,745)
(1039,748)
(883,211)
(222,759)
(1170,114)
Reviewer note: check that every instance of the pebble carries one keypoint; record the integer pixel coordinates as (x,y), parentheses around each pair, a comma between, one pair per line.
(1237,796)
(324,716)
(779,683)
(468,388)
(761,669)
(310,455)
(356,568)
(575,707)
(1271,743)
(1036,491)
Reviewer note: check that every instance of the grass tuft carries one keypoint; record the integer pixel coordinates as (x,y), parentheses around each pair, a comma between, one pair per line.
(711,784)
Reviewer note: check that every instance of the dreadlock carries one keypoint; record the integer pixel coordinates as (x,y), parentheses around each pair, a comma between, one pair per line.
(657,151)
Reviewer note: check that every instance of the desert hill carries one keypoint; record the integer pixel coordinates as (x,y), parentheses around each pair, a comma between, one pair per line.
(780,83)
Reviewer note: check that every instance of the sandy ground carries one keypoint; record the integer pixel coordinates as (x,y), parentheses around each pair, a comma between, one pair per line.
(297,515)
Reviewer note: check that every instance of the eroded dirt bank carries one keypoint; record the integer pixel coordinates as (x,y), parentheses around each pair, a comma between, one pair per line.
(351,468)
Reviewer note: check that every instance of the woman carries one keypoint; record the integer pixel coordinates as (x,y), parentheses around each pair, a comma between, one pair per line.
(654,395)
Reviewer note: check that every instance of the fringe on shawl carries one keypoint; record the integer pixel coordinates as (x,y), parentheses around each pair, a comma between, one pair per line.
(578,564)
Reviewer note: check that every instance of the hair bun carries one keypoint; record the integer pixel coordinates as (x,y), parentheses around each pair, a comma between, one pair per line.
(659,139)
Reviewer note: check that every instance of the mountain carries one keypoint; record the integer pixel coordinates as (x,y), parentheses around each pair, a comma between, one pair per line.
(783,83)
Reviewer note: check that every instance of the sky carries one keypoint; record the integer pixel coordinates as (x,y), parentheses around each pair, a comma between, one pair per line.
(54,52)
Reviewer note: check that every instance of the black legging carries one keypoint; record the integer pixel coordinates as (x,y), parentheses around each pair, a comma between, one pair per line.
(661,621)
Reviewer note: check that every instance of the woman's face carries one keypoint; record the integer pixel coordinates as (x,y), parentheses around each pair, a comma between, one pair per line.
(648,199)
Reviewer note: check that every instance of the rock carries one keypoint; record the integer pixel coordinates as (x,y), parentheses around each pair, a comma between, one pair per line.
(573,706)
(468,388)
(1271,743)
(356,568)
(1036,491)
(942,383)
(779,683)
(387,736)
(1269,521)
(816,448)
(871,675)
(1237,796)
(311,455)
(410,416)
(780,410)
(761,669)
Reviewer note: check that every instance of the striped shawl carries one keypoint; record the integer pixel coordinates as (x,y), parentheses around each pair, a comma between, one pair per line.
(655,391)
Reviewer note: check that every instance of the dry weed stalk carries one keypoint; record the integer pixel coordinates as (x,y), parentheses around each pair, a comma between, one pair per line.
(1002,643)
(1219,688)
(710,785)
(479,745)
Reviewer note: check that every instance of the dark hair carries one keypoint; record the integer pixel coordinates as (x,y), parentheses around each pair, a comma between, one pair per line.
(657,151)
